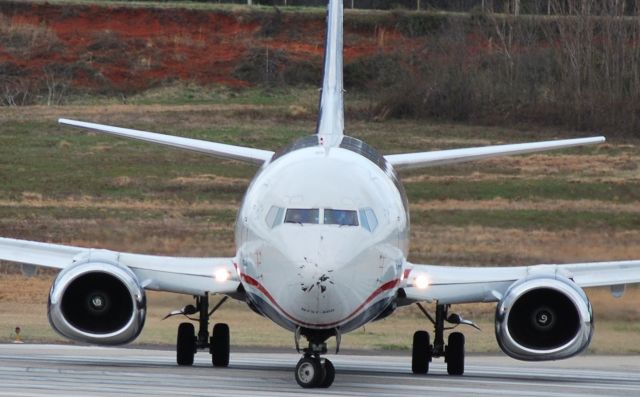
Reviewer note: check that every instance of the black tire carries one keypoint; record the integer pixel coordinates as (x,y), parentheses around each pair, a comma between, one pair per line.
(455,354)
(421,354)
(219,345)
(329,374)
(309,372)
(185,344)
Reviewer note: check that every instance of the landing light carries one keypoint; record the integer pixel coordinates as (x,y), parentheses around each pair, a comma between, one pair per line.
(221,275)
(422,281)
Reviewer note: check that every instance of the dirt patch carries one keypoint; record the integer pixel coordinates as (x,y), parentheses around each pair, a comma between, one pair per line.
(19,289)
(120,49)
(208,180)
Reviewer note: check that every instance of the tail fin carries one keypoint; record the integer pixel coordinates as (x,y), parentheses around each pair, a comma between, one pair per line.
(330,128)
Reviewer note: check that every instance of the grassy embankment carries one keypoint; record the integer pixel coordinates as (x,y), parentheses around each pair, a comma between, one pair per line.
(62,185)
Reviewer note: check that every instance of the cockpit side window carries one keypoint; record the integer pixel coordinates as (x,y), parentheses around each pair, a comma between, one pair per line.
(368,219)
(340,217)
(302,215)
(274,216)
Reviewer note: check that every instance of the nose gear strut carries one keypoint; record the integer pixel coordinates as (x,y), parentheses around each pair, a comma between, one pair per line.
(312,370)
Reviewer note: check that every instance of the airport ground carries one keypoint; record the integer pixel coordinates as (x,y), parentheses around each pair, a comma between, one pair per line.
(31,370)
(66,186)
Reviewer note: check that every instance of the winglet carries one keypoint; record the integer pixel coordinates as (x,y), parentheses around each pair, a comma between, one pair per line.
(330,128)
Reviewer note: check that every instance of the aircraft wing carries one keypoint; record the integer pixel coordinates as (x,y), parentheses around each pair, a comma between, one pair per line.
(185,275)
(450,285)
(241,153)
(407,161)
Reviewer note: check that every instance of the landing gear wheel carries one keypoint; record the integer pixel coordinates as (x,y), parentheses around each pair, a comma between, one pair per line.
(219,345)
(186,344)
(329,374)
(421,354)
(309,372)
(455,354)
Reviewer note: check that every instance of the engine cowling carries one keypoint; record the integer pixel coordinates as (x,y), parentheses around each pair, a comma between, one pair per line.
(544,318)
(97,302)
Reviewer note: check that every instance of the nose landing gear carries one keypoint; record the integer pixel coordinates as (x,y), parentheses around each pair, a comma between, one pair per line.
(312,370)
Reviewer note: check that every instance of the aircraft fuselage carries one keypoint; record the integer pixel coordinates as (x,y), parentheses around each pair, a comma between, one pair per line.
(322,236)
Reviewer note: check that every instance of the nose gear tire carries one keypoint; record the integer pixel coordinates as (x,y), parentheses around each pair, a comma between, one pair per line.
(309,372)
(329,374)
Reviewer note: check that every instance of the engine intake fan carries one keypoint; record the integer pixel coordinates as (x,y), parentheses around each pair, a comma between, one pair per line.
(544,318)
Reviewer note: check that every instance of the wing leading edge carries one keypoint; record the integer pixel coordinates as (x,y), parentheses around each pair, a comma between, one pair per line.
(184,275)
(241,153)
(449,284)
(407,161)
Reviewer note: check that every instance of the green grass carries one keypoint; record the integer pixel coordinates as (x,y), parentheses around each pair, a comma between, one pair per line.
(56,161)
(524,189)
(529,219)
(192,94)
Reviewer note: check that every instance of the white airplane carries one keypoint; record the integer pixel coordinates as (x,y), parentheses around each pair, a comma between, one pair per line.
(322,242)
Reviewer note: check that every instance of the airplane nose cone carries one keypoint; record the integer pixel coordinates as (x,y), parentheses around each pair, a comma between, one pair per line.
(324,280)
(317,292)
(314,277)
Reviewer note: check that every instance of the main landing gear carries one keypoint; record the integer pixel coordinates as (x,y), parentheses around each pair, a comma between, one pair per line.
(188,343)
(453,352)
(312,370)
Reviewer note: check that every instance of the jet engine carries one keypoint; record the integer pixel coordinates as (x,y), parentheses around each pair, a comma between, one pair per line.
(544,318)
(97,302)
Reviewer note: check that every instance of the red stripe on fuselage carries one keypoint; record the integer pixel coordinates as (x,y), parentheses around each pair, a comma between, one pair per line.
(384,287)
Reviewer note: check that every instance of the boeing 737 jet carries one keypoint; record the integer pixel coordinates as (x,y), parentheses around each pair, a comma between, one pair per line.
(322,239)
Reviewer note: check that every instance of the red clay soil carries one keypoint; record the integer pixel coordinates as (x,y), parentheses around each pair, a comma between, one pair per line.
(131,49)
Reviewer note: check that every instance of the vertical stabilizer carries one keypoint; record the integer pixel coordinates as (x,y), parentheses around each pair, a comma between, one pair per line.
(331,113)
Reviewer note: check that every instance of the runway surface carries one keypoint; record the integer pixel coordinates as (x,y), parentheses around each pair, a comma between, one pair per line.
(47,370)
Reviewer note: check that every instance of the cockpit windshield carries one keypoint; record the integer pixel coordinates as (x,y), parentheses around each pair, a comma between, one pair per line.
(364,217)
(340,217)
(302,215)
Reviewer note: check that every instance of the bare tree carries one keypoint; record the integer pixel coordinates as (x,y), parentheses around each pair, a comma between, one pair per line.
(57,78)
(15,92)
(598,58)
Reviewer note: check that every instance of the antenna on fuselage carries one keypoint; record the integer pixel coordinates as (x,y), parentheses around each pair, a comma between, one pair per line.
(330,127)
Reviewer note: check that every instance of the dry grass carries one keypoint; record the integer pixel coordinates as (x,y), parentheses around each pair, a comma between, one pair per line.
(208,180)
(35,200)
(621,167)
(485,246)
(538,205)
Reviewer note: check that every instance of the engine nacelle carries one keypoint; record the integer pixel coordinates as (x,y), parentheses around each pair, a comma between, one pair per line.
(97,302)
(544,318)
